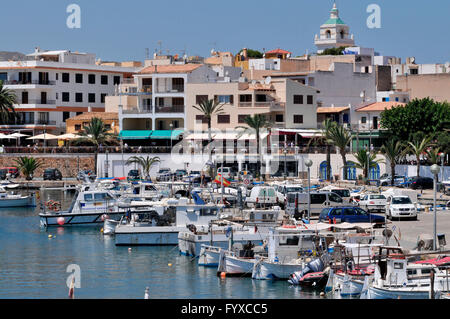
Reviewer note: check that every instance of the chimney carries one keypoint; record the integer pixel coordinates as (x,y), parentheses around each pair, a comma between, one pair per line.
(245,53)
(89,109)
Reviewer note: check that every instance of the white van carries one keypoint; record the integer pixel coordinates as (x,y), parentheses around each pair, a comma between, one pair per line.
(297,203)
(283,190)
(261,196)
(344,193)
(227,173)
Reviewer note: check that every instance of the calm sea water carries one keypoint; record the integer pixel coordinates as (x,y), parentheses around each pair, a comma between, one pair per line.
(34,266)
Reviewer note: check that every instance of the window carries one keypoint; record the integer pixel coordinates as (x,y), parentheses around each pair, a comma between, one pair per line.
(363,120)
(279,118)
(88,197)
(399,266)
(223,118)
(66,97)
(66,77)
(201,118)
(336,212)
(200,98)
(57,76)
(242,117)
(102,97)
(335,198)
(360,211)
(3,76)
(104,80)
(66,115)
(78,78)
(91,78)
(318,198)
(298,99)
(349,212)
(79,97)
(309,99)
(91,97)
(245,98)
(298,119)
(414,71)
(116,80)
(224,98)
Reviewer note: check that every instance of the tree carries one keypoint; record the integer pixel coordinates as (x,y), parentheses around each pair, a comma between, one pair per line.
(340,137)
(255,124)
(417,148)
(333,51)
(27,166)
(145,163)
(96,133)
(209,108)
(7,101)
(393,150)
(433,155)
(366,161)
(325,138)
(425,115)
(252,53)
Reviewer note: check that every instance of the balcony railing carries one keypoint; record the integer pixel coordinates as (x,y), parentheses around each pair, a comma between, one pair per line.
(143,110)
(169,109)
(174,89)
(45,102)
(146,89)
(30,122)
(27,82)
(245,104)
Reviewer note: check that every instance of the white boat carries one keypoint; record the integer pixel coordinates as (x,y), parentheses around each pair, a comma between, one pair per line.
(16,200)
(209,256)
(187,214)
(238,261)
(89,207)
(290,249)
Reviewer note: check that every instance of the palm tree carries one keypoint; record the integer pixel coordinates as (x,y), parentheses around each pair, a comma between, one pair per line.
(433,155)
(324,138)
(209,108)
(341,138)
(366,161)
(393,150)
(145,163)
(254,124)
(7,101)
(417,148)
(27,166)
(96,133)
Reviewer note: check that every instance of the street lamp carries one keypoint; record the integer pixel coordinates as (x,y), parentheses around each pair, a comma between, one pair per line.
(308,164)
(368,166)
(171,130)
(45,132)
(285,171)
(107,165)
(435,170)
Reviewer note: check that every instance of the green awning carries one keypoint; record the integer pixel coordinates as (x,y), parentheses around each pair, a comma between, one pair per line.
(166,134)
(135,135)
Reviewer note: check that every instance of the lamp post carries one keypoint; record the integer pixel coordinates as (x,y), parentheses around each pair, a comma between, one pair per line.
(368,166)
(45,132)
(285,170)
(435,170)
(107,165)
(171,130)
(308,164)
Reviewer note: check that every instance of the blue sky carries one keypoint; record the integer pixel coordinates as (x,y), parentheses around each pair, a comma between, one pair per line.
(122,30)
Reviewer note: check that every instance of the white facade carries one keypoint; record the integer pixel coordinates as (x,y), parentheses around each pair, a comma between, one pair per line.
(264,64)
(49,91)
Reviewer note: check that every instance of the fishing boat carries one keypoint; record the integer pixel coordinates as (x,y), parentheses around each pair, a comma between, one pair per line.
(16,200)
(88,207)
(209,256)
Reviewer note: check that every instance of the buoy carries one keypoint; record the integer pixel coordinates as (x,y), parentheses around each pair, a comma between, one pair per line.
(104,216)
(50,236)
(223,274)
(129,249)
(60,221)
(169,264)
(322,294)
(101,230)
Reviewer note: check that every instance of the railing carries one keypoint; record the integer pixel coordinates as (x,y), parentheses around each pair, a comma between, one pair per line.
(128,81)
(146,89)
(27,82)
(245,104)
(47,102)
(169,109)
(85,149)
(143,110)
(174,88)
(30,122)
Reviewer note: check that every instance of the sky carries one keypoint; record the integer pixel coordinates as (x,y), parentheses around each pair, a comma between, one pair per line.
(122,30)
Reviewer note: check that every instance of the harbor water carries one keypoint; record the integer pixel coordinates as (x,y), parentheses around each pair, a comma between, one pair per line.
(32,265)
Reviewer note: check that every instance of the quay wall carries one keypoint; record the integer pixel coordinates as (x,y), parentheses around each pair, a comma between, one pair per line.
(68,164)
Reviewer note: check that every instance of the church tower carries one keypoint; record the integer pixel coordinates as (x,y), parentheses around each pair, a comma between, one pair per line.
(334,33)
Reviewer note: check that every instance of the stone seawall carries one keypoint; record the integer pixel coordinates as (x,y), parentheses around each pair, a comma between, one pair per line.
(68,164)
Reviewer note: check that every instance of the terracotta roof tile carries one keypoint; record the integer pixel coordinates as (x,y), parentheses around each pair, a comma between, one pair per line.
(336,109)
(90,115)
(172,68)
(379,106)
(278,51)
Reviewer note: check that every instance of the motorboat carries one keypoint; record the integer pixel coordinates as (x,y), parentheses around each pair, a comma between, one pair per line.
(8,199)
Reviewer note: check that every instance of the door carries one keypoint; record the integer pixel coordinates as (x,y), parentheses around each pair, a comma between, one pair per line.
(43,97)
(24,97)
(349,216)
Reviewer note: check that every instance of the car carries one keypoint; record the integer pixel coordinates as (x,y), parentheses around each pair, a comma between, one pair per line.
(52,174)
(421,183)
(386,180)
(400,206)
(86,174)
(349,215)
(344,193)
(261,196)
(12,171)
(133,175)
(373,202)
(164,174)
(180,173)
(3,173)
(283,190)
(227,172)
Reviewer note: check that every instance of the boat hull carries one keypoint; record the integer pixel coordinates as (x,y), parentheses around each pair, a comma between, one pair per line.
(28,201)
(265,270)
(76,219)
(238,266)
(209,257)
(147,236)
(382,293)
(348,287)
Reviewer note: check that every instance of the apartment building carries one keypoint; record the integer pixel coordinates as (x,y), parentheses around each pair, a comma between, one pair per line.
(53,86)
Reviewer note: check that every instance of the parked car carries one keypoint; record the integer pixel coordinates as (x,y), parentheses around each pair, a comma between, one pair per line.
(52,174)
(400,206)
(164,174)
(12,171)
(373,202)
(421,183)
(3,173)
(86,174)
(349,215)
(297,203)
(133,175)
(260,196)
(344,193)
(386,180)
(283,190)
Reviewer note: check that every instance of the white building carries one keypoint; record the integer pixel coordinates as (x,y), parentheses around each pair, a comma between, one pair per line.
(55,85)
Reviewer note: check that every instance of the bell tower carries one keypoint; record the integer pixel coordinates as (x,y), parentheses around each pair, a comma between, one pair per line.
(334,33)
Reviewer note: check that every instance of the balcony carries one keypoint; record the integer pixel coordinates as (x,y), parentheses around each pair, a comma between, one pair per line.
(43,102)
(143,110)
(21,122)
(173,89)
(29,82)
(169,109)
(245,104)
